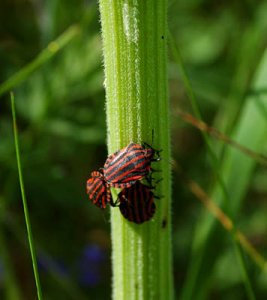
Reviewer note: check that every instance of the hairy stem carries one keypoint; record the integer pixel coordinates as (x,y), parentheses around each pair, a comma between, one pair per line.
(134,39)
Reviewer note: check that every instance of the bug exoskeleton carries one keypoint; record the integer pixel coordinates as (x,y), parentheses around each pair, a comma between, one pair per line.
(97,189)
(137,203)
(124,167)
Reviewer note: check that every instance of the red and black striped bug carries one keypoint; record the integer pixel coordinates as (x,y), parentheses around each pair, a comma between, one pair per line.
(98,190)
(137,203)
(124,167)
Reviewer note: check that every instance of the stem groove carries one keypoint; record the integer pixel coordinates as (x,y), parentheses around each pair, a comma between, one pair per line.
(135,60)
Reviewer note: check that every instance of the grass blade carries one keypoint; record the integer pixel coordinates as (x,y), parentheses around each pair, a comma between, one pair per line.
(70,288)
(237,235)
(229,183)
(24,201)
(246,279)
(196,112)
(237,170)
(41,59)
(260,158)
(227,224)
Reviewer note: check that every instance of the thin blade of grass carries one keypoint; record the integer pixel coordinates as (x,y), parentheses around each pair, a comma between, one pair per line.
(193,275)
(204,235)
(260,158)
(11,288)
(24,201)
(237,235)
(41,59)
(252,47)
(237,170)
(69,286)
(246,279)
(196,111)
(227,224)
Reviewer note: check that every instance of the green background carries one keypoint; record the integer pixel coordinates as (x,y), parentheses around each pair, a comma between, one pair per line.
(61,122)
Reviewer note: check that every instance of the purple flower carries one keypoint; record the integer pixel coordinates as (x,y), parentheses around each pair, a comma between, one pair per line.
(91,262)
(93,254)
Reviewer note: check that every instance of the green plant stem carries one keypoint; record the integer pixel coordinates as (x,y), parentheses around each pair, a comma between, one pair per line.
(24,201)
(259,157)
(69,287)
(237,170)
(226,222)
(246,279)
(196,112)
(221,182)
(134,39)
(41,59)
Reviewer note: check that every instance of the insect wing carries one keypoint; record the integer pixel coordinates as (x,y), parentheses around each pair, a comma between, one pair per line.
(123,168)
(97,190)
(137,203)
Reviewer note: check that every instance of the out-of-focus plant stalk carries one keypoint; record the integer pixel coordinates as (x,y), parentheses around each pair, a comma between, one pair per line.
(134,44)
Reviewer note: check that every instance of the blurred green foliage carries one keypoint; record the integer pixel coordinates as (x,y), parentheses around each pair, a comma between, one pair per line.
(61,119)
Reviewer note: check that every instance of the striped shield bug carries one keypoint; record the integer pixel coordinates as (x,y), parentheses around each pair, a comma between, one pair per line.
(97,189)
(137,203)
(124,167)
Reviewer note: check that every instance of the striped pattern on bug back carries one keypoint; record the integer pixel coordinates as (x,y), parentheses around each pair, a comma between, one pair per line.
(97,189)
(137,203)
(125,167)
